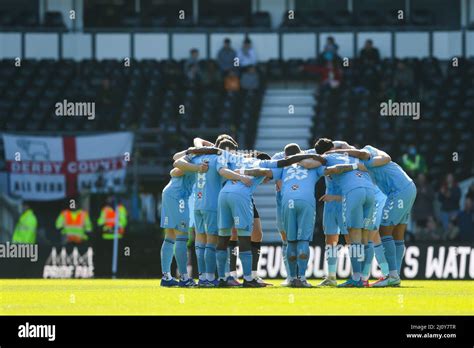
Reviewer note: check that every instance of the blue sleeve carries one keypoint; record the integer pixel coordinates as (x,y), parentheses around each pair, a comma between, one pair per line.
(277,173)
(320,170)
(269,164)
(221,162)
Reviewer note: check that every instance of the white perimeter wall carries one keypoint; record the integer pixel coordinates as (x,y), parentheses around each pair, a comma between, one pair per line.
(446,44)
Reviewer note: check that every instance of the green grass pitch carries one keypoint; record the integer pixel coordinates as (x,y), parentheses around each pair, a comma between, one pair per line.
(146,297)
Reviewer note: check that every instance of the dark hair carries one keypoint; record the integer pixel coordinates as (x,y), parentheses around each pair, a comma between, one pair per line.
(247,41)
(222,137)
(194,50)
(323,145)
(227,40)
(263,156)
(227,145)
(292,149)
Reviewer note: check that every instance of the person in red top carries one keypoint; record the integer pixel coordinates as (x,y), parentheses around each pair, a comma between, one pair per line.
(329,72)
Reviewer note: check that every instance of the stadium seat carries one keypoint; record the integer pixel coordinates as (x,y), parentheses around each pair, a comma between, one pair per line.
(54,19)
(261,20)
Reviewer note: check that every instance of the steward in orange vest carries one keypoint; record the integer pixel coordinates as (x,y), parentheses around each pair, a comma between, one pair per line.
(108,218)
(74,224)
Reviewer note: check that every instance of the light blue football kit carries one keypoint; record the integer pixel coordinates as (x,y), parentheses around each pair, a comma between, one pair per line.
(401,194)
(174,202)
(396,185)
(208,186)
(357,190)
(175,215)
(380,199)
(332,213)
(235,198)
(298,201)
(279,219)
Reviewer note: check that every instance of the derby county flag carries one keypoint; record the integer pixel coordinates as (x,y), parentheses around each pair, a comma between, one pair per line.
(48,168)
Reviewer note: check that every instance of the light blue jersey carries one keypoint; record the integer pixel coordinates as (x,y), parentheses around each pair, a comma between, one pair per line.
(245,163)
(349,180)
(299,182)
(389,177)
(333,222)
(235,198)
(298,201)
(174,202)
(180,186)
(397,186)
(279,219)
(208,185)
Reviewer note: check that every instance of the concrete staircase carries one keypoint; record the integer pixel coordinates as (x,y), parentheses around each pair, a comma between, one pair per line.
(276,128)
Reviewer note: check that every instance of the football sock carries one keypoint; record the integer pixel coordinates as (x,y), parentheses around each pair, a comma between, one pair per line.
(255,255)
(302,249)
(331,258)
(181,254)
(380,257)
(367,263)
(234,252)
(390,253)
(284,250)
(210,257)
(246,259)
(355,262)
(200,250)
(292,254)
(221,256)
(167,255)
(399,252)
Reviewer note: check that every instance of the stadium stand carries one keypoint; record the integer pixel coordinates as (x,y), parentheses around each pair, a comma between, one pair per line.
(147,96)
(443,91)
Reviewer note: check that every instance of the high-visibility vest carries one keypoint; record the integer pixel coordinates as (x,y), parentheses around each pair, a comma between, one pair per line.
(25,229)
(107,221)
(74,225)
(411,165)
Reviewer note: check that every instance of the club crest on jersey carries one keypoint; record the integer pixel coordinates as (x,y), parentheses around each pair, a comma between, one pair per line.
(295,187)
(199,195)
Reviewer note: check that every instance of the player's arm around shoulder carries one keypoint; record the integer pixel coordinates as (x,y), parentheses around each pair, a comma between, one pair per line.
(259,172)
(357,153)
(176,172)
(340,168)
(234,176)
(185,165)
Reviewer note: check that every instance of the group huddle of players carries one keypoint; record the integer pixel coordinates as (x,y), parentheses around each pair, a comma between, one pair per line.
(368,199)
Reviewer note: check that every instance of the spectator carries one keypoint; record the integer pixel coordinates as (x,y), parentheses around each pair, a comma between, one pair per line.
(192,74)
(423,208)
(249,79)
(231,82)
(211,77)
(192,63)
(369,54)
(413,162)
(226,56)
(432,230)
(330,73)
(449,195)
(470,192)
(465,220)
(247,54)
(404,77)
(331,46)
(107,96)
